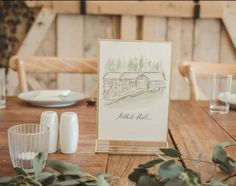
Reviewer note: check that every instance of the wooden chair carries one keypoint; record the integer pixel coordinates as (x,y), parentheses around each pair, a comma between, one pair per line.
(34,64)
(192,70)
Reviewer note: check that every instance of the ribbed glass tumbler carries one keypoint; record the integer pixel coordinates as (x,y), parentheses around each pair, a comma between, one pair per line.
(25,142)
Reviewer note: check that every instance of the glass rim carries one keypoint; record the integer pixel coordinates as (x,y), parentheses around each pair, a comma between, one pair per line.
(11,129)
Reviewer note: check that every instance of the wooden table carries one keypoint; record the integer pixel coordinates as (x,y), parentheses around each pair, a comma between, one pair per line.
(192,130)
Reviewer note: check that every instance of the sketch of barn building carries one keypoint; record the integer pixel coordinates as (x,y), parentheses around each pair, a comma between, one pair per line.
(118,84)
(111,83)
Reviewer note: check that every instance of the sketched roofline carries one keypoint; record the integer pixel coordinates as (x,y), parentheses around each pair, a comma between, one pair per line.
(143,75)
(112,73)
(138,74)
(162,73)
(121,77)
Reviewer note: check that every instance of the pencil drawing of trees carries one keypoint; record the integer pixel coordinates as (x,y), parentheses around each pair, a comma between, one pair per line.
(132,77)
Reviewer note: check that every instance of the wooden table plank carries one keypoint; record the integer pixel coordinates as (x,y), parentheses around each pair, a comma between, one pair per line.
(194,133)
(192,128)
(18,112)
(123,165)
(226,121)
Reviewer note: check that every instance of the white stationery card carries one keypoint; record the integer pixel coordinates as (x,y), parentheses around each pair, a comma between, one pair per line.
(134,86)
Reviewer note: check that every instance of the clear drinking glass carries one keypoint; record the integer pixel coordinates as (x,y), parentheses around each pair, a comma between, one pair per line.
(2,88)
(25,142)
(220,93)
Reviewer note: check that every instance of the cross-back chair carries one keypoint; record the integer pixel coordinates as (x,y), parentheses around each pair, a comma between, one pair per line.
(36,64)
(192,70)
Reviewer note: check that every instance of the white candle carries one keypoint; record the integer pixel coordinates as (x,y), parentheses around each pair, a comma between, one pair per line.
(27,155)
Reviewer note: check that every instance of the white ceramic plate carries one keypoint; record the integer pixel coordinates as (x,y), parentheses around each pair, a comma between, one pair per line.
(232,100)
(63,101)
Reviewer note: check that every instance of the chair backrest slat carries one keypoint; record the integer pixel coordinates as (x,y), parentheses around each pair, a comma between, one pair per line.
(36,64)
(194,69)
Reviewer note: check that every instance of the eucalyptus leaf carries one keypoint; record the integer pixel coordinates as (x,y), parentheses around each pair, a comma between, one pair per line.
(186,178)
(18,178)
(170,169)
(231,161)
(171,152)
(150,164)
(193,177)
(217,183)
(105,175)
(23,183)
(171,173)
(46,178)
(91,184)
(175,182)
(67,168)
(226,163)
(224,144)
(226,167)
(102,181)
(219,154)
(64,177)
(5,180)
(67,183)
(20,171)
(38,163)
(32,181)
(148,180)
(88,180)
(136,174)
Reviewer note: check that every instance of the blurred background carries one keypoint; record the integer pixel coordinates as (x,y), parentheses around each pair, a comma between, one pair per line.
(199,31)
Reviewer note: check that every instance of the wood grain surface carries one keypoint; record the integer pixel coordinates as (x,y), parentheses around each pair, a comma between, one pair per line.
(193,130)
(18,112)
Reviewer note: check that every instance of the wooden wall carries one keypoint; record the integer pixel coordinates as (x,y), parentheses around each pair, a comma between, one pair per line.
(74,35)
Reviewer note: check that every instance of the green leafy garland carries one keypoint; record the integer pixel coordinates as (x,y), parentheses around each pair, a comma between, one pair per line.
(168,172)
(13,14)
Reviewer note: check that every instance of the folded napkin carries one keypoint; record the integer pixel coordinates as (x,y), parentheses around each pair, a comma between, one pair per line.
(51,95)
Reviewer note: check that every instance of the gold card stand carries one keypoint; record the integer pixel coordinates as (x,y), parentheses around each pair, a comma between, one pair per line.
(128,147)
